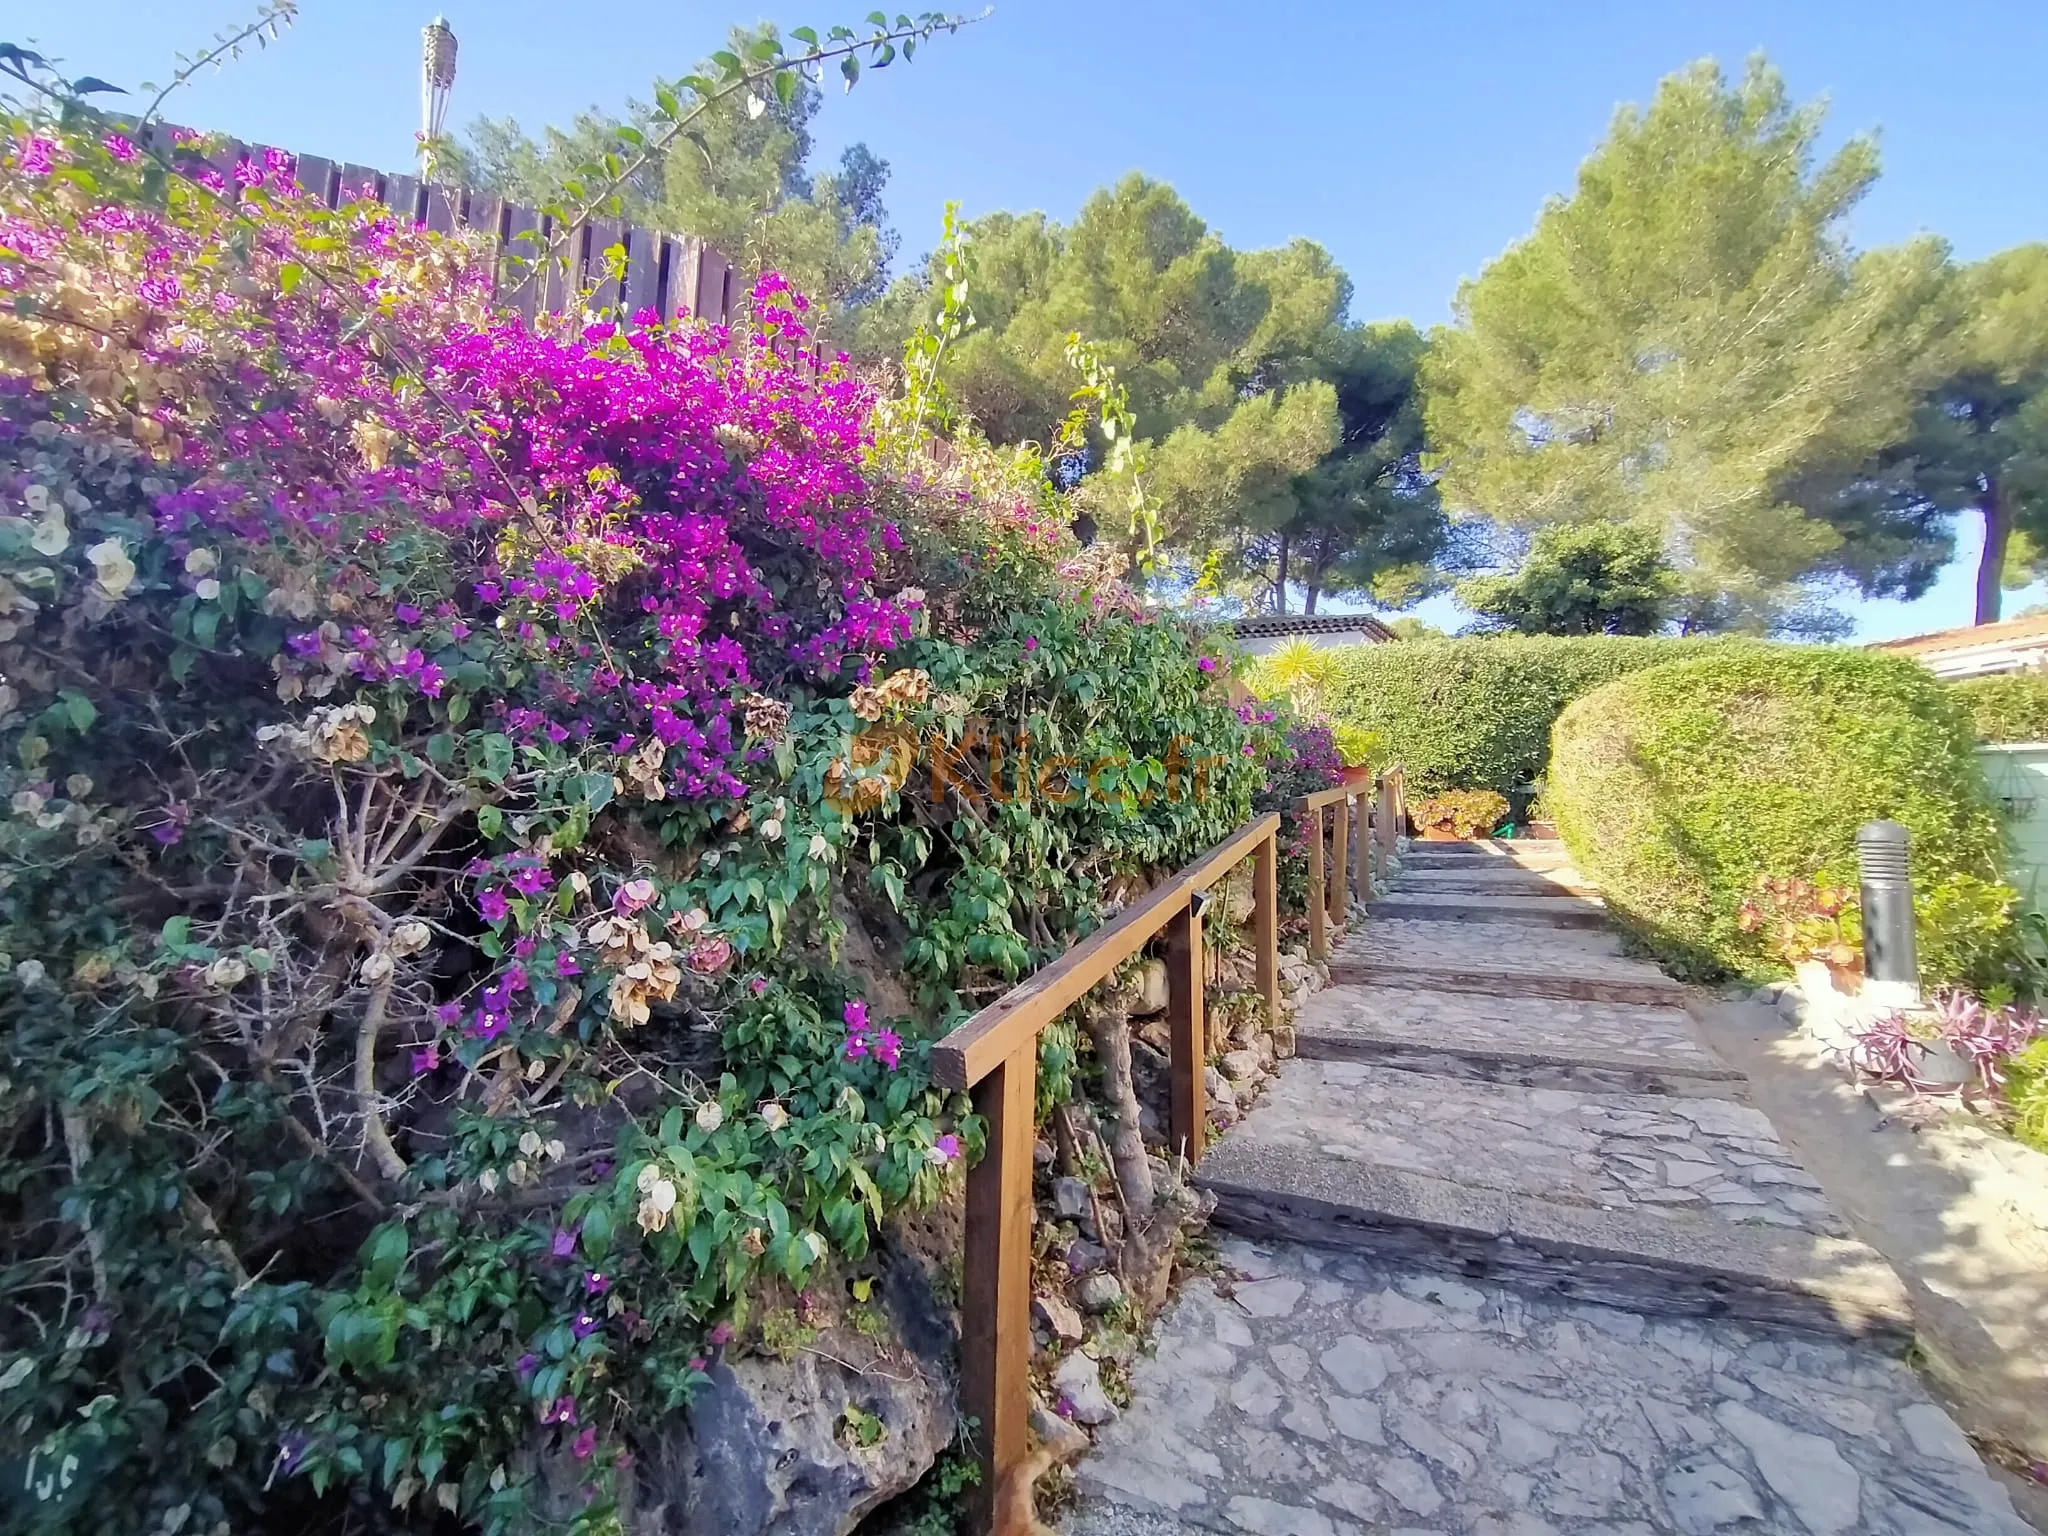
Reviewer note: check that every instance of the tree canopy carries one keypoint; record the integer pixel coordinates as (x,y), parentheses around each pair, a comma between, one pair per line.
(1579,579)
(1283,444)
(741,179)
(1683,336)
(1977,444)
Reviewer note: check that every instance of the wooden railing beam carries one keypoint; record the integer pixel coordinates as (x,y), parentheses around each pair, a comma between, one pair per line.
(995,1309)
(1266,921)
(1188,1111)
(1340,867)
(1318,940)
(994,1034)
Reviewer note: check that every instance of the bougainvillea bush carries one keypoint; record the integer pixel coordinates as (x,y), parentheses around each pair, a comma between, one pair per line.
(446,763)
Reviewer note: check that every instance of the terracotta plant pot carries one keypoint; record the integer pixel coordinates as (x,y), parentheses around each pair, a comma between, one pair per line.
(1540,831)
(1362,774)
(1439,835)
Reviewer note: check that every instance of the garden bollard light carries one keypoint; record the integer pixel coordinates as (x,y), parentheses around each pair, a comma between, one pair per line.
(1891,968)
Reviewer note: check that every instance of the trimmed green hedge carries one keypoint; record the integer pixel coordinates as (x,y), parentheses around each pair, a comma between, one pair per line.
(1678,786)
(2006,709)
(1475,713)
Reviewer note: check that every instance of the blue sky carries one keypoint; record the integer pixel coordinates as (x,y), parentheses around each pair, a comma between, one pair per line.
(1414,141)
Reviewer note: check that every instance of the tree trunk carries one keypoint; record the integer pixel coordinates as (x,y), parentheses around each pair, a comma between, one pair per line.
(1280,586)
(1991,566)
(1313,589)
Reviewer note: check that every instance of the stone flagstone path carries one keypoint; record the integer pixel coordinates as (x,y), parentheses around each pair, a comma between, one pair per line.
(1505,1253)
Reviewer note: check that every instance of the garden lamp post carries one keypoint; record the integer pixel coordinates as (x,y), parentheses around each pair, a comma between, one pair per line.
(437,79)
(1891,967)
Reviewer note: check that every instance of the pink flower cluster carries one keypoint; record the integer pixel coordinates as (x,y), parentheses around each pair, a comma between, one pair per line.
(591,515)
(865,1040)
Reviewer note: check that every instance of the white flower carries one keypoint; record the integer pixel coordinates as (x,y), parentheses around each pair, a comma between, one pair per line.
(201,562)
(820,849)
(30,973)
(78,786)
(696,918)
(52,535)
(227,973)
(26,802)
(814,1245)
(555,1150)
(37,498)
(409,938)
(774,1116)
(911,596)
(206,590)
(709,1116)
(579,882)
(487,1181)
(529,1143)
(649,1177)
(110,563)
(377,967)
(771,829)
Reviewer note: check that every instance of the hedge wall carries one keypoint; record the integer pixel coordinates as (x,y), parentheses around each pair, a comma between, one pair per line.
(2006,709)
(1678,786)
(1476,713)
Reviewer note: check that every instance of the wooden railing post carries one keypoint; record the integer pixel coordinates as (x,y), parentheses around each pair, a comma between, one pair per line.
(1266,922)
(1388,817)
(1318,941)
(1188,1111)
(1340,863)
(995,1311)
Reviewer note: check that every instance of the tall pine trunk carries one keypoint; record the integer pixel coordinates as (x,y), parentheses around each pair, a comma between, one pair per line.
(1280,585)
(1991,566)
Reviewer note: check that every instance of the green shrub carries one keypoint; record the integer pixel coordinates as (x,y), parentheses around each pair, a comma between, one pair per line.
(1477,712)
(2026,1090)
(1678,787)
(2006,709)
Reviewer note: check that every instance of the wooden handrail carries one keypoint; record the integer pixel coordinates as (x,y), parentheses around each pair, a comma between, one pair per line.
(969,1053)
(994,1057)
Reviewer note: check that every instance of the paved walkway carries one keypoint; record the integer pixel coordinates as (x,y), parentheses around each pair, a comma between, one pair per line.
(1506,1253)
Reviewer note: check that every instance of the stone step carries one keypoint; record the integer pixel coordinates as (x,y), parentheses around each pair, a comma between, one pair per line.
(1486,853)
(1590,1046)
(1498,983)
(1500,958)
(1507,882)
(1488,907)
(1708,1158)
(1659,1265)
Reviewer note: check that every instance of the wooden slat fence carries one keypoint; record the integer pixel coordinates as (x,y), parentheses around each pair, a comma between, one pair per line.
(994,1057)
(674,275)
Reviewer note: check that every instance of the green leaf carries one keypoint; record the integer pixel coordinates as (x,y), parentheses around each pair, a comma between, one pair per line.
(785,87)
(490,820)
(289,276)
(850,68)
(596,1234)
(78,710)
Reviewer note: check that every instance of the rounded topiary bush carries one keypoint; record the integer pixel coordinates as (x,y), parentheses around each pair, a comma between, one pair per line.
(2006,709)
(1677,787)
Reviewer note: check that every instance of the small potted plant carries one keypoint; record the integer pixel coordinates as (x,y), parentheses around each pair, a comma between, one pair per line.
(1814,928)
(1457,815)
(1359,750)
